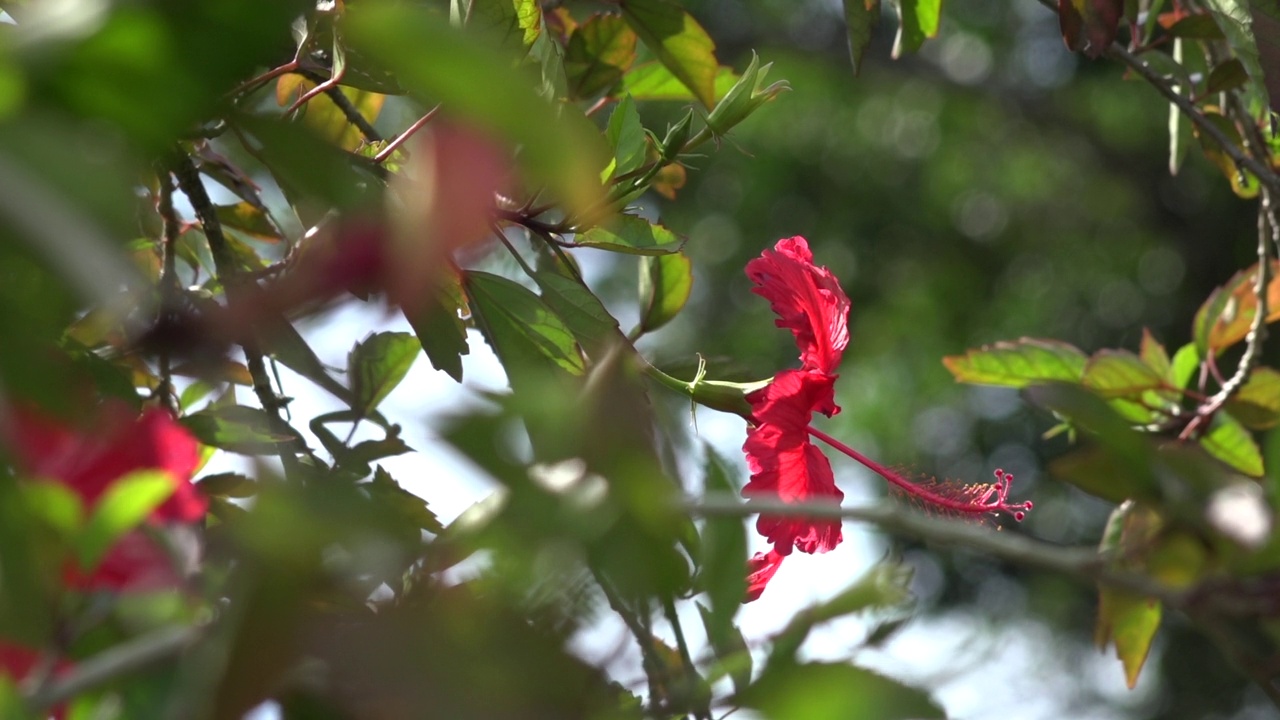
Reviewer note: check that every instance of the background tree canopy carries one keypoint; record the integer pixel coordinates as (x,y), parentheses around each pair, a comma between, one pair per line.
(284,287)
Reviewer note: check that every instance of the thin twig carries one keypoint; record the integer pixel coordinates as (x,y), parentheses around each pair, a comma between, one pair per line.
(399,140)
(170,289)
(112,664)
(654,668)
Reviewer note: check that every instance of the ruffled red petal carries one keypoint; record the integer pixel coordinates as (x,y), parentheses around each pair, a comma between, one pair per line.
(807,299)
(785,465)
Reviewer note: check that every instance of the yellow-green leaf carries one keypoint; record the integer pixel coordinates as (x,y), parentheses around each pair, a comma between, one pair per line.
(678,41)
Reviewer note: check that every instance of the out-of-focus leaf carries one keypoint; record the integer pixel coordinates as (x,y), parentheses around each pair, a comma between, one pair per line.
(632,235)
(440,328)
(600,50)
(678,41)
(1225,317)
(1226,76)
(580,310)
(1231,443)
(1257,404)
(384,488)
(731,650)
(724,556)
(250,220)
(123,507)
(323,116)
(626,137)
(665,284)
(886,585)
(228,484)
(522,330)
(235,428)
(517,22)
(475,83)
(917,21)
(377,365)
(1243,182)
(26,609)
(1097,472)
(1119,373)
(1128,620)
(787,690)
(1090,25)
(860,18)
(1199,26)
(1154,354)
(1185,362)
(1018,363)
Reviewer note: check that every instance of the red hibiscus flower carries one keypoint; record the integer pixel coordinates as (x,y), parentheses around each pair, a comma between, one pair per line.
(90,460)
(785,464)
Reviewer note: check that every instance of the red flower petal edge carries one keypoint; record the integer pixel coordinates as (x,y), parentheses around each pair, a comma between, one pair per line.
(760,570)
(786,465)
(807,299)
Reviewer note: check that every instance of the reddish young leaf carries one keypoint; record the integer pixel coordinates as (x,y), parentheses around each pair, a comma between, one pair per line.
(1090,25)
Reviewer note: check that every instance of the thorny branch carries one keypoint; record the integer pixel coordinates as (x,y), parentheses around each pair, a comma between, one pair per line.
(343,103)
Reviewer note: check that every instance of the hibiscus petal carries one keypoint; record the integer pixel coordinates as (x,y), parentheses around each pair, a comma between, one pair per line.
(808,300)
(760,570)
(785,465)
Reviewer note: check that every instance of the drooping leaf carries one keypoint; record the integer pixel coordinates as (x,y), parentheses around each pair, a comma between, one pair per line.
(1099,473)
(678,41)
(1226,76)
(1257,404)
(384,488)
(731,650)
(1128,620)
(860,18)
(581,311)
(440,328)
(377,365)
(1090,25)
(475,83)
(1018,363)
(599,51)
(633,235)
(123,507)
(522,330)
(1231,443)
(1243,182)
(917,21)
(724,556)
(831,690)
(283,342)
(665,284)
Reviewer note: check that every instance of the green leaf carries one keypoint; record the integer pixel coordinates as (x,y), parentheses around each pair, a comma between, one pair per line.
(886,585)
(1236,20)
(1231,443)
(787,690)
(248,219)
(377,365)
(731,650)
(385,489)
(477,85)
(1225,77)
(626,137)
(440,328)
(860,19)
(57,505)
(653,81)
(287,346)
(228,484)
(665,284)
(1119,373)
(1127,619)
(235,428)
(918,20)
(632,235)
(1018,363)
(515,22)
(724,556)
(26,610)
(1099,473)
(580,310)
(123,507)
(678,41)
(1185,363)
(1257,404)
(523,331)
(1154,354)
(600,50)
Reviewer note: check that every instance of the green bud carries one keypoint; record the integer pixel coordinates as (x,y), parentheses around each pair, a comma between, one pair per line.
(677,136)
(744,97)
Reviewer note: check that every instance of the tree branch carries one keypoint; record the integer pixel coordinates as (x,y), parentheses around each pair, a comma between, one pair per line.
(343,103)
